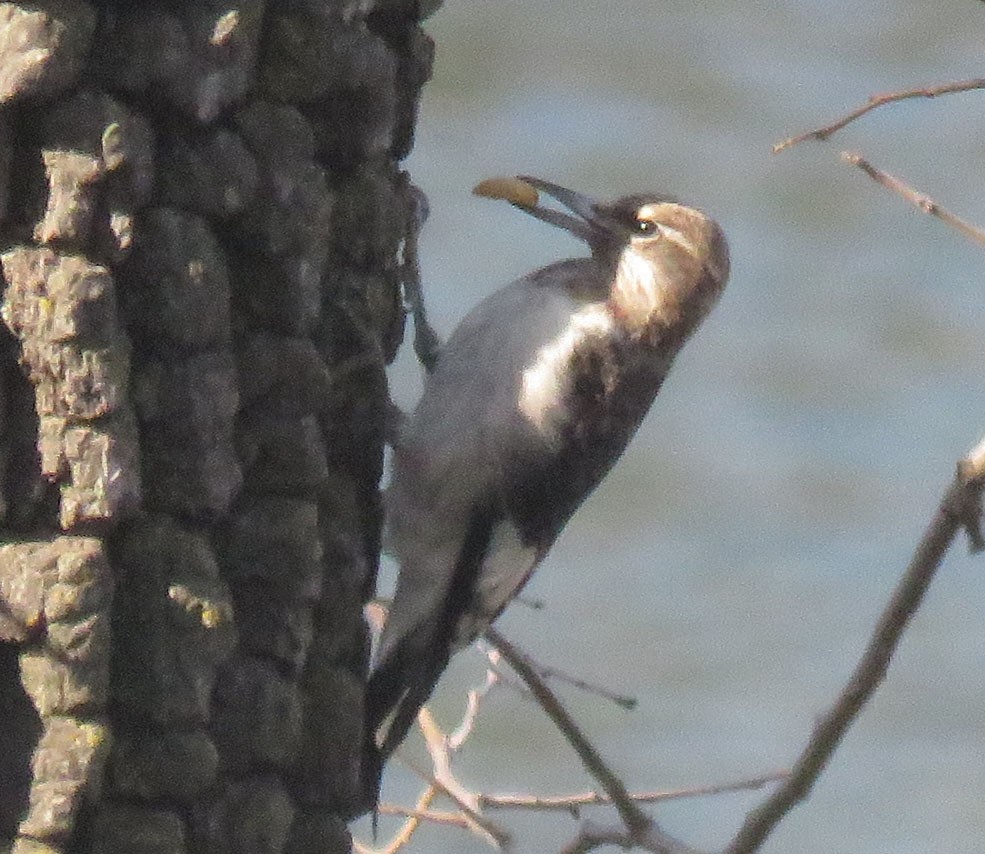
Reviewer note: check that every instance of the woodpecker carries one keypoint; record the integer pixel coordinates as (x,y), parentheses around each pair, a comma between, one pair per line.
(530,403)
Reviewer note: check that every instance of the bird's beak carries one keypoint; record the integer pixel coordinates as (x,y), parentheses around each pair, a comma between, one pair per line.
(522,193)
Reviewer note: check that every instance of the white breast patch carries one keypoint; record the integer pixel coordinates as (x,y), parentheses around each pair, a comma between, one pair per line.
(545,381)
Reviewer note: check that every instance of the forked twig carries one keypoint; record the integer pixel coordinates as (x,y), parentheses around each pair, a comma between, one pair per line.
(441,747)
(640,829)
(630,813)
(407,830)
(457,737)
(877,101)
(465,801)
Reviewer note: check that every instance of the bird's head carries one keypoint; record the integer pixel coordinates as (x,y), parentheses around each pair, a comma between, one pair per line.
(669,262)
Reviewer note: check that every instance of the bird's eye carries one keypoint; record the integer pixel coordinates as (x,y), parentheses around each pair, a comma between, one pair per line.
(646,226)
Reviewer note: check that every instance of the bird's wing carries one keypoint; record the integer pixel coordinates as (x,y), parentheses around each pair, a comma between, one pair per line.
(455,456)
(461,556)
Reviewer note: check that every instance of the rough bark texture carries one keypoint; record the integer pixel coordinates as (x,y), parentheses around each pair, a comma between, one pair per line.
(201,225)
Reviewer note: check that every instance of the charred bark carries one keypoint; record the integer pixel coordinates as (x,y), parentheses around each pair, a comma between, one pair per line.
(202,217)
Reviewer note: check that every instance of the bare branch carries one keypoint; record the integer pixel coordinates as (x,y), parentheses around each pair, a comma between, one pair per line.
(453,818)
(877,101)
(441,761)
(492,832)
(960,508)
(641,829)
(920,200)
(475,697)
(407,829)
(634,818)
(447,783)
(443,746)
(572,803)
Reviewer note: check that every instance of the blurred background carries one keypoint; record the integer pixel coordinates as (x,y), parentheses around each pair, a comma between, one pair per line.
(730,569)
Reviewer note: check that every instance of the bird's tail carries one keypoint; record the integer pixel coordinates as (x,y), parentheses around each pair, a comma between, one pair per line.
(404,678)
(370,776)
(397,689)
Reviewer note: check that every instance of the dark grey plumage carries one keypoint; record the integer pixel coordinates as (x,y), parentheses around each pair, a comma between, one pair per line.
(532,400)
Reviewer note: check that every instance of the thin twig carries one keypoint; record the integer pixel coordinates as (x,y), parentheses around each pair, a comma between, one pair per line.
(571,803)
(565,803)
(449,744)
(877,101)
(641,829)
(498,836)
(453,818)
(437,745)
(960,508)
(507,678)
(622,700)
(922,201)
(631,814)
(550,673)
(460,734)
(407,829)
(442,776)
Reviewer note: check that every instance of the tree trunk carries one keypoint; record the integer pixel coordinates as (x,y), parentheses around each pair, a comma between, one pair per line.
(201,226)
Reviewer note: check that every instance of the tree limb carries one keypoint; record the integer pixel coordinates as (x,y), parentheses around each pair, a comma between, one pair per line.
(960,508)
